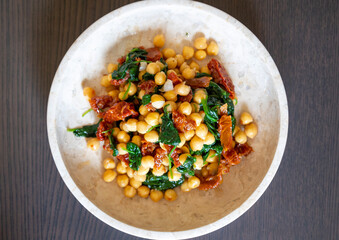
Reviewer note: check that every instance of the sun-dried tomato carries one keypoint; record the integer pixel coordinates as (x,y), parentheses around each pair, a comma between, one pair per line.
(159,156)
(107,146)
(231,156)
(121,60)
(174,77)
(103,126)
(147,148)
(150,107)
(120,111)
(153,54)
(98,103)
(220,75)
(202,82)
(211,182)
(117,82)
(182,123)
(243,149)
(147,86)
(223,109)
(124,158)
(175,154)
(187,98)
(225,131)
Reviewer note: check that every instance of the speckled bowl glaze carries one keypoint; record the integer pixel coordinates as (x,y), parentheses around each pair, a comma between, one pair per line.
(258,86)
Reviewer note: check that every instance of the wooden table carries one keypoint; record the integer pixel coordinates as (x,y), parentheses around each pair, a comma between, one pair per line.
(302,202)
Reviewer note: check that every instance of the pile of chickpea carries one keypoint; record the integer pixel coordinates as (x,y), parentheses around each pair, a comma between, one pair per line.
(185,67)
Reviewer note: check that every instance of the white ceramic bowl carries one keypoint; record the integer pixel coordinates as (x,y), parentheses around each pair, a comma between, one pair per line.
(259,88)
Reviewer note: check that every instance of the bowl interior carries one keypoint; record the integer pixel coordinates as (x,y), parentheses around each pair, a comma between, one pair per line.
(112,37)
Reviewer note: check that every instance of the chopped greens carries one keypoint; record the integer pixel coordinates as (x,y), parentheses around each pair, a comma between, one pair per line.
(86,131)
(134,155)
(187,166)
(146,99)
(89,110)
(206,149)
(148,76)
(161,182)
(211,118)
(112,145)
(168,133)
(199,75)
(165,68)
(151,128)
(126,93)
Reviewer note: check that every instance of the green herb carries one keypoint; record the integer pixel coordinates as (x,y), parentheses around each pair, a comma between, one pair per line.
(86,131)
(187,166)
(211,118)
(199,75)
(206,149)
(146,99)
(112,145)
(170,161)
(165,68)
(89,110)
(161,182)
(134,155)
(126,93)
(152,128)
(168,133)
(148,76)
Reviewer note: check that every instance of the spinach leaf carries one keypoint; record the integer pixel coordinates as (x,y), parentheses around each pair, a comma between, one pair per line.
(207,148)
(215,89)
(134,155)
(168,133)
(198,75)
(165,68)
(112,145)
(86,131)
(211,118)
(146,99)
(148,76)
(187,166)
(161,182)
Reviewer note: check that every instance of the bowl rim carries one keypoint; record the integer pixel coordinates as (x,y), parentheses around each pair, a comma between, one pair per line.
(52,136)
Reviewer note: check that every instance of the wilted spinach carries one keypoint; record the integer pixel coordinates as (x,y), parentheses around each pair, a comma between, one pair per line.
(199,75)
(86,131)
(168,133)
(134,155)
(161,182)
(112,145)
(148,76)
(146,99)
(187,166)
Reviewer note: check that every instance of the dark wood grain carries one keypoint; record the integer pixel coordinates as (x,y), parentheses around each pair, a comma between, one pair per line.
(302,202)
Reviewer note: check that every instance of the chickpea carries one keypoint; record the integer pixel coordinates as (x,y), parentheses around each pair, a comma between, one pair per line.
(199,163)
(114,93)
(88,93)
(159,171)
(160,64)
(121,169)
(204,172)
(200,43)
(143,110)
(199,95)
(200,55)
(152,136)
(156,195)
(245,118)
(195,107)
(185,148)
(111,67)
(132,89)
(152,118)
(196,117)
(157,101)
(171,106)
(193,182)
(182,158)
(147,161)
(185,108)
(160,118)
(152,68)
(136,140)
(121,148)
(93,144)
(123,127)
(180,59)
(122,180)
(123,96)
(142,170)
(183,66)
(187,52)
(105,81)
(131,125)
(195,66)
(159,41)
(212,168)
(182,140)
(134,183)
(109,175)
(176,175)
(212,48)
(130,173)
(168,53)
(212,157)
(143,191)
(182,89)
(160,78)
(176,70)
(141,93)
(236,129)
(209,139)
(171,62)
(188,73)
(240,137)
(143,127)
(141,118)
(201,131)
(189,134)
(123,137)
(109,163)
(141,73)
(170,71)
(184,187)
(171,95)
(205,69)
(130,191)
(251,130)
(140,178)
(202,113)
(170,195)
(196,143)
